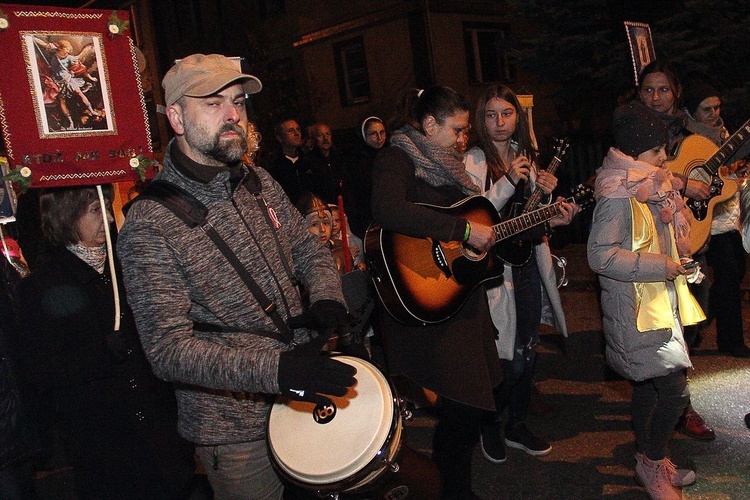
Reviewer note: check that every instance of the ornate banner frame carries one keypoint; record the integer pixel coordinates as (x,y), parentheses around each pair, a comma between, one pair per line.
(641,46)
(72,110)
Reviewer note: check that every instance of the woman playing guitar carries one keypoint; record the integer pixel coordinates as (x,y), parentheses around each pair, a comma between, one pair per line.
(660,89)
(455,358)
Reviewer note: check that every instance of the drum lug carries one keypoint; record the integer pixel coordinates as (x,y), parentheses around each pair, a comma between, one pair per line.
(394,467)
(328,495)
(406,414)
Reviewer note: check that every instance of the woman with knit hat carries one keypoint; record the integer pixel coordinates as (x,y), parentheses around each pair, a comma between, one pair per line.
(725,253)
(637,237)
(703,107)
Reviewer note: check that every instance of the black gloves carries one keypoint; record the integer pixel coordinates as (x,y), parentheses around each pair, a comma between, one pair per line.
(305,374)
(355,350)
(324,314)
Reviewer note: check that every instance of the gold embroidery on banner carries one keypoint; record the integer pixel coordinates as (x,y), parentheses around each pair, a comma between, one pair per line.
(111,108)
(84,175)
(65,15)
(4,126)
(144,110)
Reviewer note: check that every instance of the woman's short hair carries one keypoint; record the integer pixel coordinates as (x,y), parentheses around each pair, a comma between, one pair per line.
(61,208)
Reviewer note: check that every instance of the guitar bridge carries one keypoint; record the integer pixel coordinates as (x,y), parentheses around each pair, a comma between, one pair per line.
(439,258)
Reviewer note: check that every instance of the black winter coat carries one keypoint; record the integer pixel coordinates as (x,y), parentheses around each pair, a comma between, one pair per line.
(119,423)
(457,358)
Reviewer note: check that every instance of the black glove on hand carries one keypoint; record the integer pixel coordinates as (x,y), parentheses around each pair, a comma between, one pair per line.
(305,374)
(323,314)
(356,350)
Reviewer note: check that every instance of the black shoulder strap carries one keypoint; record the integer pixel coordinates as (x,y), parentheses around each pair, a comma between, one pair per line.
(184,205)
(194,213)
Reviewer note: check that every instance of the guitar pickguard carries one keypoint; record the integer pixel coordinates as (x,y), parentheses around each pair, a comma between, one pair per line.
(715,183)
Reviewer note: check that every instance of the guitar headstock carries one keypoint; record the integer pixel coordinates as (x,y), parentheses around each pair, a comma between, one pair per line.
(582,195)
(561,148)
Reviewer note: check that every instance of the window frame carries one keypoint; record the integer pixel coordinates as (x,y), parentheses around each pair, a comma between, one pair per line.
(344,73)
(476,66)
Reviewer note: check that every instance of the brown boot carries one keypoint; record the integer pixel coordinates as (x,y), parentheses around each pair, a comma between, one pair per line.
(656,479)
(694,426)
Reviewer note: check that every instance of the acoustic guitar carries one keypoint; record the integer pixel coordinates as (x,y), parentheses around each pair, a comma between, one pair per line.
(698,158)
(422,280)
(517,251)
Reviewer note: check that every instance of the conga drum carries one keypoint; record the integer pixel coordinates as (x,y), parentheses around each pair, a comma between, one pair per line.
(352,446)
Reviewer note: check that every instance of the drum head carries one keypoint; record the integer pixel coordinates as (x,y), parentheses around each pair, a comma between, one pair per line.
(337,445)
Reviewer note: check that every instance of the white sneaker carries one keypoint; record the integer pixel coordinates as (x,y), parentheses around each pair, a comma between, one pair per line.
(680,477)
(656,479)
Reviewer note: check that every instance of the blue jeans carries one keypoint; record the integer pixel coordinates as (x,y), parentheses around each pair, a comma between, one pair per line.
(240,471)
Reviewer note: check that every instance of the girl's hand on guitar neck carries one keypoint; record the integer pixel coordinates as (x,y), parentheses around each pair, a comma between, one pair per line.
(481,237)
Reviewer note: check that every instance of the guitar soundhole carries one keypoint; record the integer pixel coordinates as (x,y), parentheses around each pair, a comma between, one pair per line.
(471,253)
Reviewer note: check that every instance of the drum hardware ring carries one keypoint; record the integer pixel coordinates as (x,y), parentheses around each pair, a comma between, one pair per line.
(406,414)
(367,474)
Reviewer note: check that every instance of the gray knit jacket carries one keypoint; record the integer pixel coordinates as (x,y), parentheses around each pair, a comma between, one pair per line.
(176,276)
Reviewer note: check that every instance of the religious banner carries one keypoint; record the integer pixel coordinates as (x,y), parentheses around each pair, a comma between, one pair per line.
(72,110)
(641,46)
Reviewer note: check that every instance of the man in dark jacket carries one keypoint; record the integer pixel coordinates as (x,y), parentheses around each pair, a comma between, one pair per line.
(288,165)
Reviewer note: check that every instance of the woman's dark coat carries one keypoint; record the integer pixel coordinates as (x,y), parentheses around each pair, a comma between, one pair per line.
(117,420)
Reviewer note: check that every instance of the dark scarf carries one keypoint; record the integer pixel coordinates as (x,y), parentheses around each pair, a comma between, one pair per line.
(198,172)
(436,166)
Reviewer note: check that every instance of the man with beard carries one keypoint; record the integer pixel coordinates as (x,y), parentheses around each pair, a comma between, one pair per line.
(201,326)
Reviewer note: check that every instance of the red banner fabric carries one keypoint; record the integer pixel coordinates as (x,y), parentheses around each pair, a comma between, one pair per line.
(71,102)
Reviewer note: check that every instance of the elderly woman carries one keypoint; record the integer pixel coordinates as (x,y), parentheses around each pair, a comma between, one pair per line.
(118,422)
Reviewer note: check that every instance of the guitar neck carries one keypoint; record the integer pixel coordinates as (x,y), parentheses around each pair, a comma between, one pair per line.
(526,221)
(724,152)
(536,196)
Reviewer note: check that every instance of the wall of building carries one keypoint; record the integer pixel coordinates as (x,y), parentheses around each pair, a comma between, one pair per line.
(389,65)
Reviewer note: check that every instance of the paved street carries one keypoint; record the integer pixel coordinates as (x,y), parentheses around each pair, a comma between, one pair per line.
(592,454)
